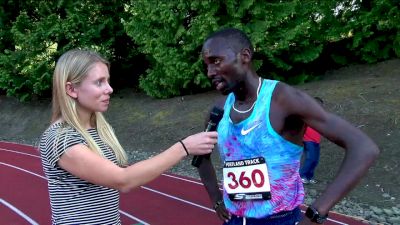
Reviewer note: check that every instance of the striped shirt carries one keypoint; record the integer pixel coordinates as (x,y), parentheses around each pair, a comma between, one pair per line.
(73,200)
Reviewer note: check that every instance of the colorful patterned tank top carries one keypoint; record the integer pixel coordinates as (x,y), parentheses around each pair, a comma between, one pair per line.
(255,137)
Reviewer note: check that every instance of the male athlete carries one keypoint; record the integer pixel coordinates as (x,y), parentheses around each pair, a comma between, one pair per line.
(260,142)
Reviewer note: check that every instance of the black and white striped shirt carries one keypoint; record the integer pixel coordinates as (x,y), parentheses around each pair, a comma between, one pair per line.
(73,200)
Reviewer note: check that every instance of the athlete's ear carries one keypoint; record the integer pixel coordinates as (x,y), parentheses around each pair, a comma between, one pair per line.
(71,90)
(245,55)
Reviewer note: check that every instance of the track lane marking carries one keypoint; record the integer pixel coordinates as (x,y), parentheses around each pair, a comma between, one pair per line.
(35,174)
(144,187)
(153,190)
(18,152)
(23,170)
(199,183)
(178,199)
(19,212)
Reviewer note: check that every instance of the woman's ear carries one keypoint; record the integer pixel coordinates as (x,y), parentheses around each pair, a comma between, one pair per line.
(70,89)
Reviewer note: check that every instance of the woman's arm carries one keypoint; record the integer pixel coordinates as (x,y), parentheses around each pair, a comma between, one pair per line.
(80,161)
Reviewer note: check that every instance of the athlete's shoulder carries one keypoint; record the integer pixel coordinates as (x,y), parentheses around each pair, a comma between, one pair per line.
(284,92)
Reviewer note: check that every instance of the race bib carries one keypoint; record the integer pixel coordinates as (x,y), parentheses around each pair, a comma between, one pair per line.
(247,179)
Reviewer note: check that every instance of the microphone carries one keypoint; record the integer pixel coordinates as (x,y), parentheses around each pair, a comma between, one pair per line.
(215,116)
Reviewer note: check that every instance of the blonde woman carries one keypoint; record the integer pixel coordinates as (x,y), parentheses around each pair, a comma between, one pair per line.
(84,163)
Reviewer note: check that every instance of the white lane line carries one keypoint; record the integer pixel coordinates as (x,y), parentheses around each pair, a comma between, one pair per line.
(19,212)
(338,222)
(178,199)
(195,182)
(159,192)
(184,179)
(35,174)
(180,178)
(211,210)
(162,193)
(22,153)
(133,218)
(24,170)
(190,181)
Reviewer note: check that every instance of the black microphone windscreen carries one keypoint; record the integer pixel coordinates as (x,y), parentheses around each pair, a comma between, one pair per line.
(216,115)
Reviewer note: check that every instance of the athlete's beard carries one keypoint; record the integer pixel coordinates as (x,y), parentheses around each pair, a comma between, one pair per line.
(227,90)
(232,87)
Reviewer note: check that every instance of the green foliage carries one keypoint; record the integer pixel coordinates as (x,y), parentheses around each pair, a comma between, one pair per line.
(376,30)
(290,37)
(371,26)
(285,35)
(171,35)
(43,30)
(293,40)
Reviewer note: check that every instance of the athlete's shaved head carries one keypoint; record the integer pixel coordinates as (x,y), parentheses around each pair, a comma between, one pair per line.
(236,39)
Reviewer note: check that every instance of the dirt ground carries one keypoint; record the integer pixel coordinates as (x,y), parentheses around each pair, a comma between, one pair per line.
(366,95)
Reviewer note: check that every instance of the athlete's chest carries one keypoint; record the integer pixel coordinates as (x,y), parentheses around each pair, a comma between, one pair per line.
(243,140)
(237,118)
(246,130)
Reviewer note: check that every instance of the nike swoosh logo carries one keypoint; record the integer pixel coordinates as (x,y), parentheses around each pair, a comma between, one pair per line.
(244,132)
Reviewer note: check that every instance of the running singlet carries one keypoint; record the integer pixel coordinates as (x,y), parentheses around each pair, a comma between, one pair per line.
(252,142)
(73,200)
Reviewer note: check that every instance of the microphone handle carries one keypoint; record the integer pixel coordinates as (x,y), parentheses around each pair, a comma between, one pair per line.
(196,161)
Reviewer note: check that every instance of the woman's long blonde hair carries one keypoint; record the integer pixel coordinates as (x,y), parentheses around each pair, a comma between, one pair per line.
(73,66)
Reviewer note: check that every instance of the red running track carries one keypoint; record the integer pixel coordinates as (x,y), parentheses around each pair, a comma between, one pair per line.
(168,200)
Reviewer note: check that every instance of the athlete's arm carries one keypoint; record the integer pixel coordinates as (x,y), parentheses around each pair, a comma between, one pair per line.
(360,150)
(80,161)
(209,178)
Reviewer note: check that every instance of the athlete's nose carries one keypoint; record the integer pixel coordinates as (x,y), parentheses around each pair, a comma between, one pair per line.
(211,71)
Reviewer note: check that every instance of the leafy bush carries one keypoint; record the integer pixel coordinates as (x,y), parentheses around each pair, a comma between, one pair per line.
(291,38)
(376,30)
(161,40)
(43,30)
(171,35)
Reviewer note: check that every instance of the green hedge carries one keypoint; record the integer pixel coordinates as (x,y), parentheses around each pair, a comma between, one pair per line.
(42,30)
(161,40)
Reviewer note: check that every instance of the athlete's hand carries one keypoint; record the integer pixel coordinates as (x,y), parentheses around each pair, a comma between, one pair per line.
(201,143)
(222,213)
